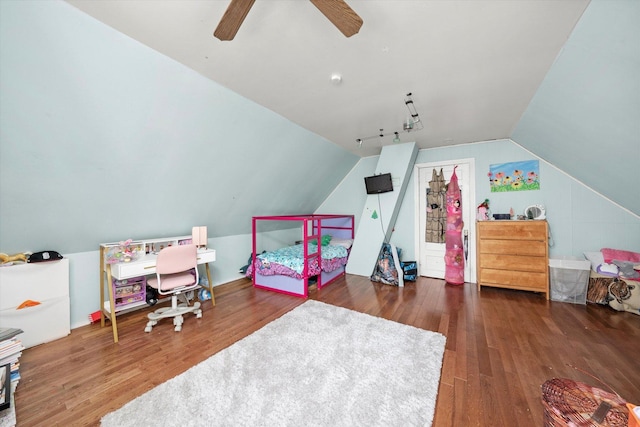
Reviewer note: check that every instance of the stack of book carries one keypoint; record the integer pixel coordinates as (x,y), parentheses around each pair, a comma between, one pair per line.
(10,351)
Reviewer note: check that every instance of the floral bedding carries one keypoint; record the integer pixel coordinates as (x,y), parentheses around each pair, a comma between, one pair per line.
(289,261)
(615,263)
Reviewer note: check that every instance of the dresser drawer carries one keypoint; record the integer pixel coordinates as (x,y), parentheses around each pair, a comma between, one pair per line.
(513,279)
(533,248)
(514,263)
(512,230)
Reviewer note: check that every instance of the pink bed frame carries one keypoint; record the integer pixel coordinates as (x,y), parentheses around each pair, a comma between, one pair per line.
(313,227)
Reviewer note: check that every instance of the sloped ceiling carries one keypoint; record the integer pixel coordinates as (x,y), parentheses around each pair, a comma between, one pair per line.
(472,66)
(585,117)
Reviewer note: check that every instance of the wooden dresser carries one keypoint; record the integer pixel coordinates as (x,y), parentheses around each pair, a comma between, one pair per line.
(513,254)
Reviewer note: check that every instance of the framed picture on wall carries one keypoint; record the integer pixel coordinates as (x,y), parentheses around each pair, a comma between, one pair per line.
(514,176)
(5,383)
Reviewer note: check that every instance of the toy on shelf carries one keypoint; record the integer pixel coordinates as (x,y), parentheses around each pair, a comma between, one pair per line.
(483,211)
(10,259)
(125,252)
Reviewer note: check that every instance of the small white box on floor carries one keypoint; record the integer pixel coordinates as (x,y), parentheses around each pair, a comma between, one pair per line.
(569,277)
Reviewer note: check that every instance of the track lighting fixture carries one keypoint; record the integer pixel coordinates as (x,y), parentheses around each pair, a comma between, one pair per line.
(411,124)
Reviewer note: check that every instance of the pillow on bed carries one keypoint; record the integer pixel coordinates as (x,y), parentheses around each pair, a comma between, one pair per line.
(595,258)
(324,240)
(620,255)
(342,242)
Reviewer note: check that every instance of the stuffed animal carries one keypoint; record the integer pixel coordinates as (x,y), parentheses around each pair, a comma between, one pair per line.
(625,296)
(483,211)
(21,257)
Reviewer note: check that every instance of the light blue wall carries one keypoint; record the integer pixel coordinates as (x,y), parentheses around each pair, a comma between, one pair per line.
(585,117)
(579,218)
(350,196)
(103,138)
(380,210)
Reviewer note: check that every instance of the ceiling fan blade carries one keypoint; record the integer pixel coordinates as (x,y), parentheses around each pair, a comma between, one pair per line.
(341,15)
(232,19)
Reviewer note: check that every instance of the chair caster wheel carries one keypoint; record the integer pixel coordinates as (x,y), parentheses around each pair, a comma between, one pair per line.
(147,329)
(178,328)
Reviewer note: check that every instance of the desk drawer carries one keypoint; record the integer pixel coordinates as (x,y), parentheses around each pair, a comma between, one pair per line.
(206,255)
(147,265)
(142,267)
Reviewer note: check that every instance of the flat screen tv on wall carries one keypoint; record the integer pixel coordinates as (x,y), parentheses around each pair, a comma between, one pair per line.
(377,184)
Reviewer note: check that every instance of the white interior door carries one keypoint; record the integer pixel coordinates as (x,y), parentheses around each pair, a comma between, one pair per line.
(431,255)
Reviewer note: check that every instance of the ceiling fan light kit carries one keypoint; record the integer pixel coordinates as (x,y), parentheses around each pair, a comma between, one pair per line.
(413,123)
(336,11)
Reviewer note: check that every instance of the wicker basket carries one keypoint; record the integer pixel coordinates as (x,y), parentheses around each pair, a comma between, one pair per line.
(571,403)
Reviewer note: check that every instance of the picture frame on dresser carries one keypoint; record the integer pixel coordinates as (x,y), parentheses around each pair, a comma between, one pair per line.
(5,382)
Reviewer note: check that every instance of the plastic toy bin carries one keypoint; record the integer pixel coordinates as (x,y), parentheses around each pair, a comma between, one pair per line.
(569,278)
(128,291)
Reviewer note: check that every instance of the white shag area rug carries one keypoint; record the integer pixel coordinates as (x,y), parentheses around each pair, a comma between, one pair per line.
(317,365)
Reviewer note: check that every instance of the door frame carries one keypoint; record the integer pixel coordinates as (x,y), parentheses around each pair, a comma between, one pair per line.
(471,259)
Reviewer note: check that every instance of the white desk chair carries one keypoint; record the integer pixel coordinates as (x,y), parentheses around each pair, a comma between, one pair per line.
(176,273)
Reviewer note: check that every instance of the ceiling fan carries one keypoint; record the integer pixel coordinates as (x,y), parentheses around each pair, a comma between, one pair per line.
(337,11)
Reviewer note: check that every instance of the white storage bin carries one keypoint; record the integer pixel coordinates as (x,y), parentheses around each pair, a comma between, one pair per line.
(41,323)
(569,278)
(46,283)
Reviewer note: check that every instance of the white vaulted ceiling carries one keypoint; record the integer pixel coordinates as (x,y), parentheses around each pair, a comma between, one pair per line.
(472,66)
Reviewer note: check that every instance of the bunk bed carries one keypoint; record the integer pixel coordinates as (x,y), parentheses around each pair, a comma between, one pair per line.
(325,243)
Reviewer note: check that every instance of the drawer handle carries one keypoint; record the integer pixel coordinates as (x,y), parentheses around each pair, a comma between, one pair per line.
(150,266)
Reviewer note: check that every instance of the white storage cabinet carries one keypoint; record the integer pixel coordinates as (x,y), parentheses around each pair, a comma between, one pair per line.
(44,282)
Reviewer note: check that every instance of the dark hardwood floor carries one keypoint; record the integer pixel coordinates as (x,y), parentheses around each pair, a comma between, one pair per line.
(501,346)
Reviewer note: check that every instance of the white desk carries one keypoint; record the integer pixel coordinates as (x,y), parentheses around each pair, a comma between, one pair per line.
(142,266)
